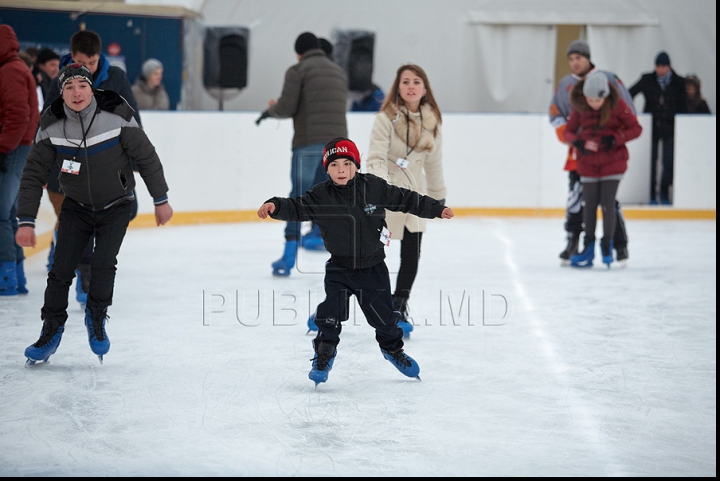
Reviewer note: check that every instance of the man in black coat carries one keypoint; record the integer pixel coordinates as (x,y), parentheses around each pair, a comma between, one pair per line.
(665,96)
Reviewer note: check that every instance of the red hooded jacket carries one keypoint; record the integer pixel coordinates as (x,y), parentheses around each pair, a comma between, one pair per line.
(19,112)
(584,123)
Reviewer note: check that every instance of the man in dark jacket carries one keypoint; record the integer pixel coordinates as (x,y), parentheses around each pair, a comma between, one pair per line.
(86,49)
(349,209)
(96,140)
(665,96)
(18,121)
(47,68)
(315,96)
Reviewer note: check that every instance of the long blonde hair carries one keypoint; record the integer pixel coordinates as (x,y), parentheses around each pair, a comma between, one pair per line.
(393,99)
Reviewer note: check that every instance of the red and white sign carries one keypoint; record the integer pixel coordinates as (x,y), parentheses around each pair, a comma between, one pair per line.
(113,49)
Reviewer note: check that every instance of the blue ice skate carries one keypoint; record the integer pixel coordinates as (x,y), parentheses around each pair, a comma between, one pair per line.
(585,258)
(21,279)
(404,363)
(607,252)
(45,346)
(312,327)
(97,337)
(322,363)
(8,279)
(80,294)
(401,311)
(312,241)
(284,265)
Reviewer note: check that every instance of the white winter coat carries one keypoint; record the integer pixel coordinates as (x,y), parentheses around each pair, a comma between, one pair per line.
(424,173)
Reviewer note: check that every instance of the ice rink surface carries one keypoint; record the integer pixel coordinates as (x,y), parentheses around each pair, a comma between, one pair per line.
(528,368)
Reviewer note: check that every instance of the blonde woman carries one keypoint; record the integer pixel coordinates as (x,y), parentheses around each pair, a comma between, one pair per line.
(406,150)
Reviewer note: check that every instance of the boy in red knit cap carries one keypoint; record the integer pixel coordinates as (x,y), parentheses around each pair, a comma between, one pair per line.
(349,209)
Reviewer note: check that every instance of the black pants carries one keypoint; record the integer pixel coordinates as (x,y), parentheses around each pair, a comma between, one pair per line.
(85,261)
(77,225)
(668,152)
(371,287)
(409,262)
(574,212)
(601,193)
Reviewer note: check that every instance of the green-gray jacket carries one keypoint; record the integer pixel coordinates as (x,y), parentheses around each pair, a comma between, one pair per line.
(315,95)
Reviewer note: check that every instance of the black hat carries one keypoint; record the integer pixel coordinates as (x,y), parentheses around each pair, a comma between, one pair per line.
(45,55)
(74,70)
(662,59)
(326,46)
(306,41)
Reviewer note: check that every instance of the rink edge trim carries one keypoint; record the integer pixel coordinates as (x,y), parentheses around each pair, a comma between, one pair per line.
(228,217)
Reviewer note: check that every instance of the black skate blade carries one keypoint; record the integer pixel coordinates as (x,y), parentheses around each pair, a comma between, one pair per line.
(101,359)
(418,378)
(565,263)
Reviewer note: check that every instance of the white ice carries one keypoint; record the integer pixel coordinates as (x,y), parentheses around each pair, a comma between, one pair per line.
(528,368)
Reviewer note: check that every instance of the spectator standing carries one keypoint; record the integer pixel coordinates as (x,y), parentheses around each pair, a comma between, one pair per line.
(406,150)
(578,55)
(148,88)
(18,120)
(696,104)
(664,92)
(95,138)
(599,126)
(47,68)
(86,50)
(314,95)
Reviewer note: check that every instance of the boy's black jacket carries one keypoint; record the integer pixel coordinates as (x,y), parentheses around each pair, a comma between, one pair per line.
(351,217)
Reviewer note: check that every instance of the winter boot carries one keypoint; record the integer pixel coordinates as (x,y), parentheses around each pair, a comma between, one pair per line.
(400,305)
(404,363)
(312,241)
(606,246)
(50,338)
(573,241)
(8,279)
(51,254)
(22,280)
(584,259)
(95,324)
(284,265)
(621,254)
(312,327)
(322,363)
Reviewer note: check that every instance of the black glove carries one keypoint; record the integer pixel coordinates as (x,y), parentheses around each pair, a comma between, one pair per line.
(262,117)
(580,145)
(3,164)
(607,142)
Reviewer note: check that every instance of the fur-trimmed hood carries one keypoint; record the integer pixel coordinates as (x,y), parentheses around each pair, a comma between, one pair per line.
(420,140)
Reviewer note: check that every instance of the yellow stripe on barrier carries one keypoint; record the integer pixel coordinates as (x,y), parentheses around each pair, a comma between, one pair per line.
(229,217)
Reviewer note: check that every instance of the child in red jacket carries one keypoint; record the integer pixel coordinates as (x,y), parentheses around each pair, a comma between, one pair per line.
(599,126)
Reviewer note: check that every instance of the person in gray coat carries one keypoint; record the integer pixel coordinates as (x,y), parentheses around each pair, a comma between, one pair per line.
(314,95)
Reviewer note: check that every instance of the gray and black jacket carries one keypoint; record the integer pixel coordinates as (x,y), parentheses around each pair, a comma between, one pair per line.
(105,140)
(351,217)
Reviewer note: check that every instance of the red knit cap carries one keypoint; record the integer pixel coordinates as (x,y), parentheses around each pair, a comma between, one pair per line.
(340,148)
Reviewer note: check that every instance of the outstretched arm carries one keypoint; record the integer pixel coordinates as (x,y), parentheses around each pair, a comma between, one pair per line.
(266,209)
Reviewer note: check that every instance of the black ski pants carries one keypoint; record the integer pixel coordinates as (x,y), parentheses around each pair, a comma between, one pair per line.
(371,287)
(77,224)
